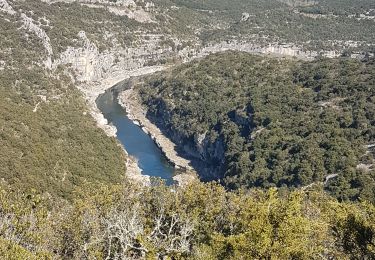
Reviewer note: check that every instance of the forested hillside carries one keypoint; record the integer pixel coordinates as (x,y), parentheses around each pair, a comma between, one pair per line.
(311,25)
(256,121)
(315,25)
(48,140)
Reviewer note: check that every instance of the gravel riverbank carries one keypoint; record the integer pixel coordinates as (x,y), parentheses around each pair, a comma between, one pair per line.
(129,100)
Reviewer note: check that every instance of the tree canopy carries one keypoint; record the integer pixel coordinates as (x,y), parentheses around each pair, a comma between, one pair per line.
(258,121)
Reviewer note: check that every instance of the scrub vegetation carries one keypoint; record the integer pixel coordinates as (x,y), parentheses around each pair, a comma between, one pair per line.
(199,221)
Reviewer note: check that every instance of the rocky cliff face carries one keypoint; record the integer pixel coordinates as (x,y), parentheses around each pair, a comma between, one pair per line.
(91,65)
(33,27)
(294,3)
(5,7)
(205,155)
(210,155)
(30,25)
(86,61)
(133,9)
(277,49)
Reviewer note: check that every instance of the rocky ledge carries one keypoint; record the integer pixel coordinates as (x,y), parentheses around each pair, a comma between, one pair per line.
(92,90)
(134,173)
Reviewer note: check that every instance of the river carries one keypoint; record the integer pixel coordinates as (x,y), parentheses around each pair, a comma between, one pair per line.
(136,142)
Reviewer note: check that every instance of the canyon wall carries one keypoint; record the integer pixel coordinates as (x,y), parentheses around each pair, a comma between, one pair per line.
(96,71)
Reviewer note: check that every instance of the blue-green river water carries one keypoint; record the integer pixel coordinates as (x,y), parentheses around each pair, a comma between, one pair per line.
(136,142)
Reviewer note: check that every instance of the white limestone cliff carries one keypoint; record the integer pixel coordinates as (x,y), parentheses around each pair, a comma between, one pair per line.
(276,49)
(86,61)
(138,10)
(6,7)
(28,24)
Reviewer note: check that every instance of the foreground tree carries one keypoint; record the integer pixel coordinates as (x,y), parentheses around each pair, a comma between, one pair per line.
(199,221)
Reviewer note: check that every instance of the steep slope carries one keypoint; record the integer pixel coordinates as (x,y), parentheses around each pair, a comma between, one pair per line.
(257,121)
(48,140)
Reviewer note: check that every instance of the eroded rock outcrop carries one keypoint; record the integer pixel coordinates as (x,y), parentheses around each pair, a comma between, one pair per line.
(140,11)
(294,3)
(6,7)
(89,64)
(278,49)
(28,24)
(86,61)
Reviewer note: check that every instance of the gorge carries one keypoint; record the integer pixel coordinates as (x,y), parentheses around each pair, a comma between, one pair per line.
(187,129)
(135,141)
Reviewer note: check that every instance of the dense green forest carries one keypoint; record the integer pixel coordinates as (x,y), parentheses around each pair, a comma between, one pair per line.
(258,121)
